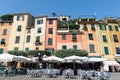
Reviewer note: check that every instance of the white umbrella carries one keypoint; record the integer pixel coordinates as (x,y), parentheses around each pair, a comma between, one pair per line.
(5,57)
(74,59)
(96,59)
(93,60)
(52,59)
(23,59)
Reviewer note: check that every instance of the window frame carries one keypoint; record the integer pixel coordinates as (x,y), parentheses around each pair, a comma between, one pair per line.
(17,39)
(50,30)
(50,41)
(106,50)
(19,28)
(90,36)
(91,48)
(63,36)
(64,47)
(28,38)
(4,32)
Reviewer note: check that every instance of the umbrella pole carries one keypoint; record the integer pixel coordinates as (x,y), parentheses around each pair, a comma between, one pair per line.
(93,66)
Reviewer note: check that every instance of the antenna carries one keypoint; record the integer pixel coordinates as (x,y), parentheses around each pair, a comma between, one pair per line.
(95,14)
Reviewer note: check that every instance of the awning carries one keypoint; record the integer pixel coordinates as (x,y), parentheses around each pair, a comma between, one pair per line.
(111,63)
(117,59)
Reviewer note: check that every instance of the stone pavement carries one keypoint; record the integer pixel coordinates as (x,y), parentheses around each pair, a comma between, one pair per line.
(115,76)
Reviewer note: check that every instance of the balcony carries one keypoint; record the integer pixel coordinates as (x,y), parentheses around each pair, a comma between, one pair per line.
(2,43)
(38,43)
(74,39)
(93,28)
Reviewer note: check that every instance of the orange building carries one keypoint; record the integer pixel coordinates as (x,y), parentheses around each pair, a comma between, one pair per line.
(90,41)
(5,29)
(51,30)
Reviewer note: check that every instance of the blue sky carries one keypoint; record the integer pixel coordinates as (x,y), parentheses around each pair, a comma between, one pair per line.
(73,8)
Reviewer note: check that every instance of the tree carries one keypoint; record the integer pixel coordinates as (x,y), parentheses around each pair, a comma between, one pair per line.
(73,25)
(7,17)
(54,14)
(35,53)
(69,52)
(18,53)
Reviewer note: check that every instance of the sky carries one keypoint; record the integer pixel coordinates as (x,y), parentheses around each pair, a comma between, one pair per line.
(73,8)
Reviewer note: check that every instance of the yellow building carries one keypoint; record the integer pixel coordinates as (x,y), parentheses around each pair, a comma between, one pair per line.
(21,36)
(104,40)
(114,35)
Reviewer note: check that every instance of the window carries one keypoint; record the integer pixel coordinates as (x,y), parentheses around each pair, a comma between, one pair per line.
(117,50)
(40,21)
(104,38)
(74,46)
(74,36)
(19,18)
(92,27)
(106,50)
(26,49)
(50,21)
(28,38)
(37,39)
(16,48)
(37,48)
(3,41)
(39,30)
(64,47)
(85,26)
(4,32)
(50,30)
(102,27)
(90,36)
(63,37)
(1,50)
(110,28)
(49,41)
(19,28)
(29,31)
(17,40)
(91,48)
(116,28)
(115,38)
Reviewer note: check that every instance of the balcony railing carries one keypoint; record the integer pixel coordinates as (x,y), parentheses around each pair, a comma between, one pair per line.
(38,43)
(74,39)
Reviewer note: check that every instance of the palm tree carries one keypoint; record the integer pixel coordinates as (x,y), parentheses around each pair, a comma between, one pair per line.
(53,14)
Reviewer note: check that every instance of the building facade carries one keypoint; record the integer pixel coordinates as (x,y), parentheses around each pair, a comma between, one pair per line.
(40,31)
(51,32)
(5,30)
(90,36)
(21,23)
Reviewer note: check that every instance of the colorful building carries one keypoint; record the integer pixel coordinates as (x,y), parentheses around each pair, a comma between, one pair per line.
(5,30)
(40,31)
(51,32)
(69,40)
(90,36)
(114,36)
(19,37)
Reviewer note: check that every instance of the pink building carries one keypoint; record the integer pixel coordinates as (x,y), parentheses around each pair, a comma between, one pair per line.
(69,40)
